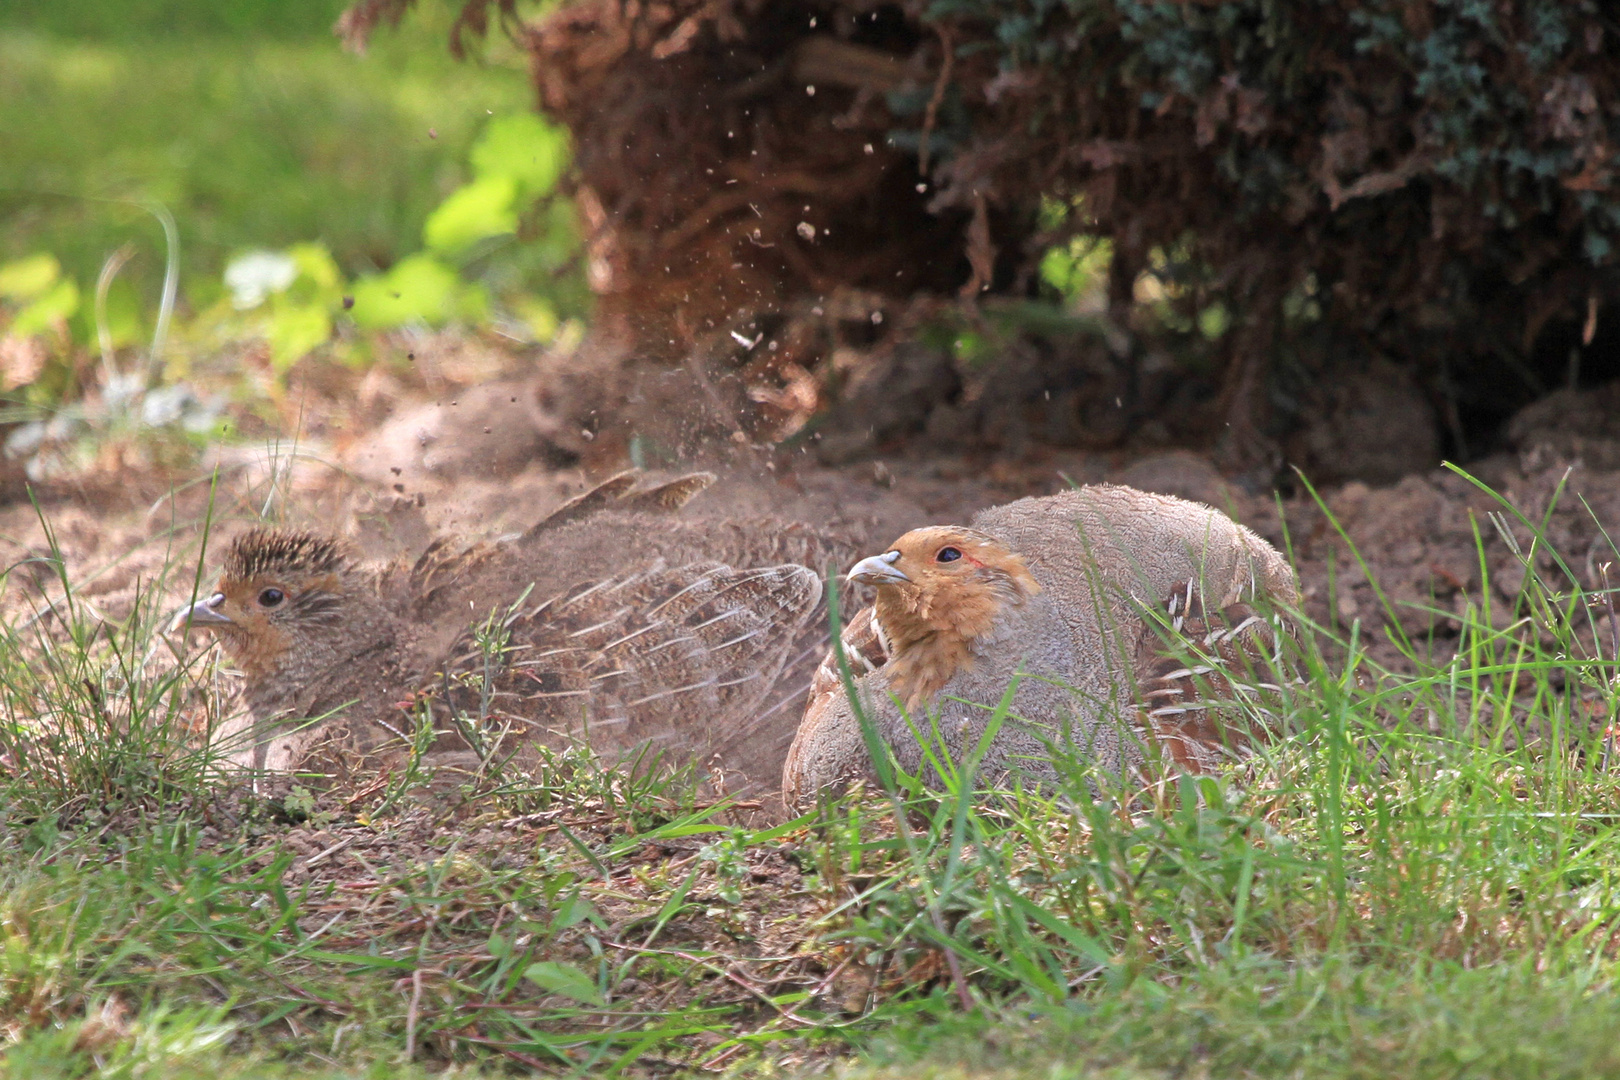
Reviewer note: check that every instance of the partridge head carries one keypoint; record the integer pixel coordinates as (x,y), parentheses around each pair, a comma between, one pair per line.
(294,609)
(941,594)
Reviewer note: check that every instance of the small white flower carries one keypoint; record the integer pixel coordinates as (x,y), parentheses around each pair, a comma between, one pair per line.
(255,275)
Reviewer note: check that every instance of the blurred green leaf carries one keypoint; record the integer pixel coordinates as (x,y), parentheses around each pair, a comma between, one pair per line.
(539,315)
(316,264)
(477,210)
(1214,321)
(24,279)
(471,304)
(564,979)
(54,307)
(1057,268)
(1076,267)
(526,149)
(295,330)
(417,288)
(558,239)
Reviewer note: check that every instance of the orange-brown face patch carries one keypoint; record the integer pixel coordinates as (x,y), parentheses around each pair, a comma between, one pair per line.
(251,638)
(958,583)
(296,566)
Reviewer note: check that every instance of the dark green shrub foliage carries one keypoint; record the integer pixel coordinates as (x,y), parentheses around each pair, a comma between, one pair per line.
(1445,170)
(1439,177)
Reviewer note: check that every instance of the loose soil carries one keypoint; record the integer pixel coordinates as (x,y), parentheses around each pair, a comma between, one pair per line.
(394,461)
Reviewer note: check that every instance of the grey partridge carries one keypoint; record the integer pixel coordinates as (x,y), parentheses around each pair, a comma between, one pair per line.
(613,620)
(1055,588)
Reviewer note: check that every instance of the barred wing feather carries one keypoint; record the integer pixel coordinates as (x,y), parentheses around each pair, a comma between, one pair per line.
(1209,683)
(676,658)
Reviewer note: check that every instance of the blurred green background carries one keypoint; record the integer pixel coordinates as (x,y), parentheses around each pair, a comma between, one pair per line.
(248,123)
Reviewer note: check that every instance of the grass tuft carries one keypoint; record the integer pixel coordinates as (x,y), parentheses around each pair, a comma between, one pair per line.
(1417,877)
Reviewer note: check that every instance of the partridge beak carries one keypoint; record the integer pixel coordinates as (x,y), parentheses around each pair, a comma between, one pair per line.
(202,613)
(878,570)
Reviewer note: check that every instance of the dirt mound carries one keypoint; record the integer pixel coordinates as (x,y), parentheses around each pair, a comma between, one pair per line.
(856,376)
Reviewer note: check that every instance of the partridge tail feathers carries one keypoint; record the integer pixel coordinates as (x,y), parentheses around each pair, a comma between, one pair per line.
(1203,677)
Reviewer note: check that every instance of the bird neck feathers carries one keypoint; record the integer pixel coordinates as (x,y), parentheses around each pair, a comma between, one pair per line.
(931,634)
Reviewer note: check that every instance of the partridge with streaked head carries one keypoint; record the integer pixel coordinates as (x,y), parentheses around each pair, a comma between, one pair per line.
(604,622)
(1054,588)
(294,610)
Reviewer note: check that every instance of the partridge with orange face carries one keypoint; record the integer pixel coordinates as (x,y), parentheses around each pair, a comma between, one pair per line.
(602,623)
(1052,588)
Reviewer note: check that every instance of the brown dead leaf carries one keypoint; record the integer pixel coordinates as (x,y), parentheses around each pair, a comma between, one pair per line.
(21,361)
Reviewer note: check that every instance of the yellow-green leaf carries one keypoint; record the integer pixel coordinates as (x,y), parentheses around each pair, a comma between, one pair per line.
(315,262)
(296,330)
(483,208)
(539,315)
(48,311)
(419,287)
(26,278)
(525,148)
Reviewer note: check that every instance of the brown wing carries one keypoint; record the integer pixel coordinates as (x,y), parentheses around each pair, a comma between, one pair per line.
(677,659)
(864,650)
(615,492)
(588,502)
(1204,679)
(668,497)
(448,564)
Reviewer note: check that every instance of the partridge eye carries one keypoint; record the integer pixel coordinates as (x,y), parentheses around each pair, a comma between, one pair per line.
(271,597)
(949,554)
